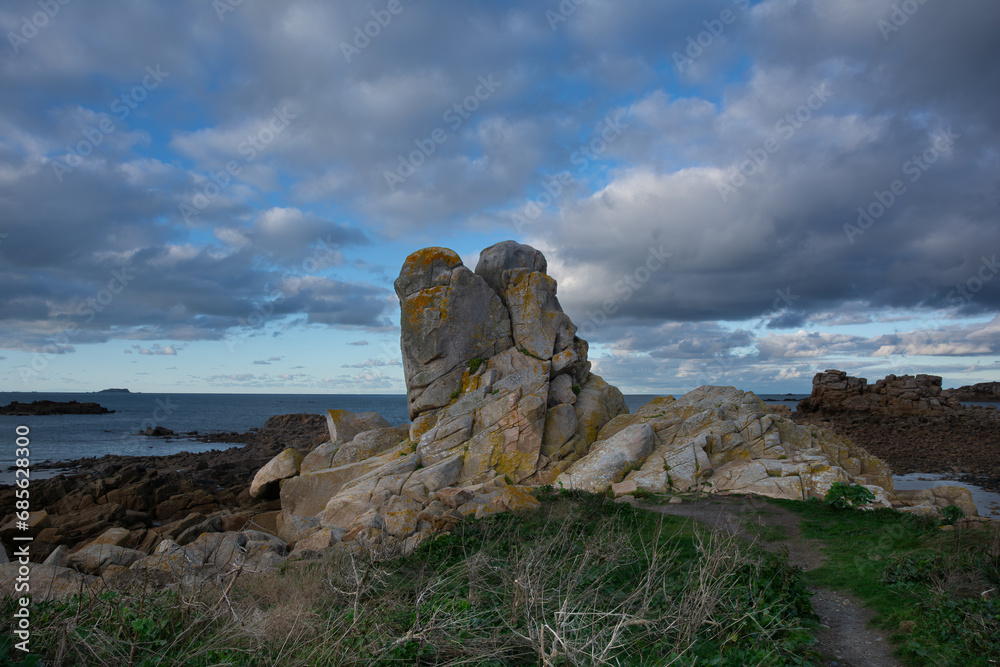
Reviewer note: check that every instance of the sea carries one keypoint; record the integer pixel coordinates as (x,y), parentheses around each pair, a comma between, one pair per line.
(54,438)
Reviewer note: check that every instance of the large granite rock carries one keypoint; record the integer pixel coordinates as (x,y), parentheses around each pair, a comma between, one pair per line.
(500,391)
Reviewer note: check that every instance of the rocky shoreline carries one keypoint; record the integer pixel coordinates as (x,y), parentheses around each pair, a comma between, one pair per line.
(911,423)
(36,408)
(965,444)
(158,497)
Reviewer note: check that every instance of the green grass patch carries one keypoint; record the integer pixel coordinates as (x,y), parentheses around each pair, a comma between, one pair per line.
(935,592)
(579,581)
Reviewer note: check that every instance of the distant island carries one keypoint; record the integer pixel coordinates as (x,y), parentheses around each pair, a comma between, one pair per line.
(113,390)
(53,408)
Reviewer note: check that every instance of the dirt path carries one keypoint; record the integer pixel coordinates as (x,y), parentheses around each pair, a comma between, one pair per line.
(845,636)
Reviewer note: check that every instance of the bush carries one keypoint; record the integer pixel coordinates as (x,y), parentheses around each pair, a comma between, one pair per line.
(951,514)
(843,496)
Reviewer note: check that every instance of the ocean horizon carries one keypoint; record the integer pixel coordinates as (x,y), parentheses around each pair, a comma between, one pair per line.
(67,437)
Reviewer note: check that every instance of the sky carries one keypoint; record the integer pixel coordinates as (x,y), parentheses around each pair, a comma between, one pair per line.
(216,195)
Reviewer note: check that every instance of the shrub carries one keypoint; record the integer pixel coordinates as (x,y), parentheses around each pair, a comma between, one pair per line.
(844,496)
(951,514)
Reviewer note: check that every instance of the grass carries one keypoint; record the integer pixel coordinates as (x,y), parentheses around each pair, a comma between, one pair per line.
(934,592)
(528,353)
(579,581)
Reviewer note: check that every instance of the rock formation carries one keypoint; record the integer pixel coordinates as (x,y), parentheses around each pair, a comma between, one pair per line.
(501,396)
(722,439)
(500,392)
(835,391)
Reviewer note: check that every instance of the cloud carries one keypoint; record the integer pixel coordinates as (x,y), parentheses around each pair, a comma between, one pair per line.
(156,350)
(358,342)
(365,380)
(690,213)
(234,377)
(374,363)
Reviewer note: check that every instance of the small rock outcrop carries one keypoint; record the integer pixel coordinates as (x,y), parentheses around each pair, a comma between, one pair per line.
(982,391)
(835,391)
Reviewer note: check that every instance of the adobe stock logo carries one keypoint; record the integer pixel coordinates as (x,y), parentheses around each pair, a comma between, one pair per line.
(964,292)
(915,168)
(37,21)
(122,107)
(455,116)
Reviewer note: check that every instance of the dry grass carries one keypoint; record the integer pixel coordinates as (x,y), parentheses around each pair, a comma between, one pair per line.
(580,582)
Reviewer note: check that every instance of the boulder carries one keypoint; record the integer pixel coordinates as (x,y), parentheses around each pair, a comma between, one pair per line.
(283,466)
(93,559)
(307,495)
(316,539)
(496,261)
(289,526)
(608,461)
(721,439)
(561,424)
(370,443)
(321,457)
(59,557)
(343,425)
(115,536)
(36,523)
(934,500)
